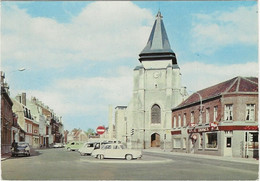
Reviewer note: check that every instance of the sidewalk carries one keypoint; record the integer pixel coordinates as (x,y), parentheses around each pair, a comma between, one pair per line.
(5,156)
(213,157)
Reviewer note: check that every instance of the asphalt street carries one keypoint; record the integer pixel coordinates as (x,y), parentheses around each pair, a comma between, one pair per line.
(59,164)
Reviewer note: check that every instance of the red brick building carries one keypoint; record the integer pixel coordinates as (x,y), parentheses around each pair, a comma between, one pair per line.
(6,117)
(219,120)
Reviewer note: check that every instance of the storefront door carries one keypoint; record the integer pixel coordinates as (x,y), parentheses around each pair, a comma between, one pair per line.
(228,147)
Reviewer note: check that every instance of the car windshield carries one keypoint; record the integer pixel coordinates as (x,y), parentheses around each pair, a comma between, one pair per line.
(22,144)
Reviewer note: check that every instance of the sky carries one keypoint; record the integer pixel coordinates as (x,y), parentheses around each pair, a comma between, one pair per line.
(79,56)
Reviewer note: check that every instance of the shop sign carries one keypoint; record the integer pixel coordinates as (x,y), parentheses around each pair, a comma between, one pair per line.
(199,130)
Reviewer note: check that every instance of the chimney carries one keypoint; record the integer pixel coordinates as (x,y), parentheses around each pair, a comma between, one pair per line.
(24,98)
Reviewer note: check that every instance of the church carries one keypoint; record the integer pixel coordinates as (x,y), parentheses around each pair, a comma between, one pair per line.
(147,120)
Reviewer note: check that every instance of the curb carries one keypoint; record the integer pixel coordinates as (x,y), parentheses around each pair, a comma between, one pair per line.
(212,157)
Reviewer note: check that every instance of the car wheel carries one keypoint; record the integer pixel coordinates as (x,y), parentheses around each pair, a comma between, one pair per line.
(82,154)
(69,149)
(100,157)
(129,157)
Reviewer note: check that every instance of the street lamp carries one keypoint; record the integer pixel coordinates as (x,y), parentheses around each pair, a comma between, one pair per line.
(200,104)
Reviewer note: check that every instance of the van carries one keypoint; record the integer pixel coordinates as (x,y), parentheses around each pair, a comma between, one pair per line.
(74,146)
(87,148)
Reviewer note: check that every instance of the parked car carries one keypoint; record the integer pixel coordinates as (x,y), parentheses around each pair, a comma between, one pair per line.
(87,148)
(74,146)
(22,148)
(116,151)
(58,145)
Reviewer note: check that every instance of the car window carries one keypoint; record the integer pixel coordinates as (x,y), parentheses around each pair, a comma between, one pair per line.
(122,146)
(108,147)
(72,143)
(115,147)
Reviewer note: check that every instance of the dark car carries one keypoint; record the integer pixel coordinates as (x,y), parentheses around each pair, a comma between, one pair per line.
(21,148)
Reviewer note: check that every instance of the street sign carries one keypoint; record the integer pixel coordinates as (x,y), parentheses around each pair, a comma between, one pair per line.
(100,130)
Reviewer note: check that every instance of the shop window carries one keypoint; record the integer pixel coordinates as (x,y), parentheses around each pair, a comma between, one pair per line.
(215,113)
(156,114)
(212,140)
(184,119)
(177,143)
(228,112)
(207,115)
(250,112)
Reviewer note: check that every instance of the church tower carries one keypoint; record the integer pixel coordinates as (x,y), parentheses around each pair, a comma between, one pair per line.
(157,89)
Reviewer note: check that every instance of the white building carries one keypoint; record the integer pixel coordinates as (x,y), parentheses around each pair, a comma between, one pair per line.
(157,89)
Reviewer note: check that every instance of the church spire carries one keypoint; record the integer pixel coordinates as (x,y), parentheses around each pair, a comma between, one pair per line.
(158,45)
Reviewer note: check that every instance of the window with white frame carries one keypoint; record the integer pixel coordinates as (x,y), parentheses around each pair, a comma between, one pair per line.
(250,112)
(215,113)
(192,117)
(174,122)
(207,115)
(179,121)
(228,112)
(200,117)
(184,119)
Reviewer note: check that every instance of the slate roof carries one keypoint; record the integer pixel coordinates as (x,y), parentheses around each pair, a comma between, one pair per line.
(158,45)
(235,85)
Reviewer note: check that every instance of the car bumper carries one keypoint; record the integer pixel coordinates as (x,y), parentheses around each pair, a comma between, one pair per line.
(21,152)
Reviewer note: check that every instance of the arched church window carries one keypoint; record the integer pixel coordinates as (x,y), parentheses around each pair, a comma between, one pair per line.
(156,114)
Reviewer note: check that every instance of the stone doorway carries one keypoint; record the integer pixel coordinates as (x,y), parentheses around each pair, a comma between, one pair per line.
(155,140)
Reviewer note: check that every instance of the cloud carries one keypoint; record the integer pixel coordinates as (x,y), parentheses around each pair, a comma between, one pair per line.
(221,29)
(86,96)
(103,31)
(197,75)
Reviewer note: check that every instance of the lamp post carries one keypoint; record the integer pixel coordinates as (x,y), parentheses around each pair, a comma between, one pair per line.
(200,97)
(200,106)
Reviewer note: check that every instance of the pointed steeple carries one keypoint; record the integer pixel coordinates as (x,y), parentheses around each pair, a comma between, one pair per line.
(158,45)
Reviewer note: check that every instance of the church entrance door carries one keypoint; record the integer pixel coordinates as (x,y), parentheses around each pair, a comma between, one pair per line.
(155,140)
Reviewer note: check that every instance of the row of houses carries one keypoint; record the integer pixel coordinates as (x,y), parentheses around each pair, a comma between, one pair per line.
(27,120)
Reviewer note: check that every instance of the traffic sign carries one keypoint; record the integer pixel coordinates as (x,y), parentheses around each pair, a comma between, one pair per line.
(100,130)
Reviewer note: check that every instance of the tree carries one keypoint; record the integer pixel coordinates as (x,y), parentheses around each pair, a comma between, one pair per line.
(90,131)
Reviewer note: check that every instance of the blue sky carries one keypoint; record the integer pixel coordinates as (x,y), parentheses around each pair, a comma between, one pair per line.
(79,56)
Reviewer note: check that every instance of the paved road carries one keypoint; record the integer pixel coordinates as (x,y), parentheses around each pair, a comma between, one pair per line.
(59,164)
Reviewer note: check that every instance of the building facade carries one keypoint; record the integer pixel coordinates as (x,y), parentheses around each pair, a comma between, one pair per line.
(157,88)
(121,126)
(6,117)
(219,120)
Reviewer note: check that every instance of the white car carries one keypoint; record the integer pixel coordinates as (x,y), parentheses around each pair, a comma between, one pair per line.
(87,148)
(58,145)
(116,151)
